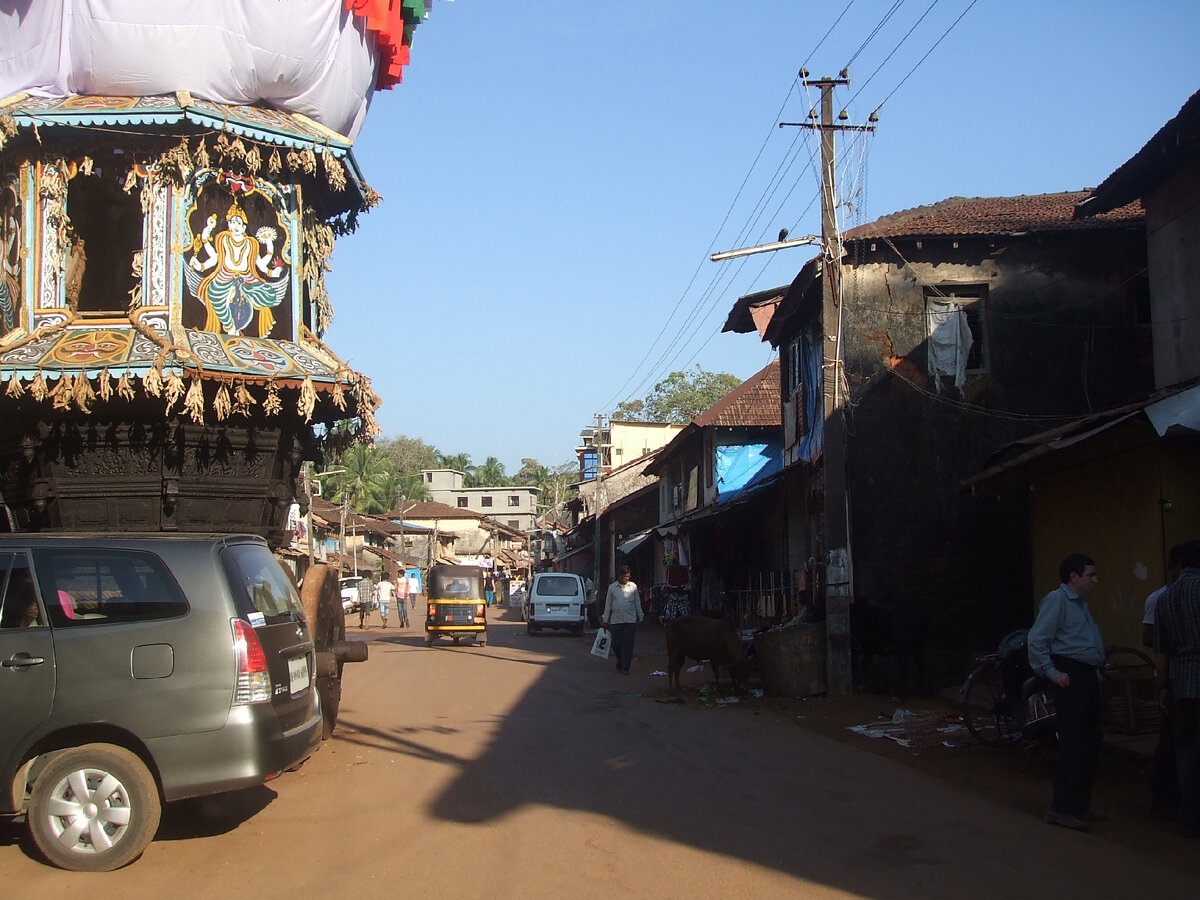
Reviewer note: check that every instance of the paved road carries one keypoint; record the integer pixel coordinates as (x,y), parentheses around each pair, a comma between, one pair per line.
(529,768)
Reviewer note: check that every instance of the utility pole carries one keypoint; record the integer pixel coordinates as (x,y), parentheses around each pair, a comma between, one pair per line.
(838,561)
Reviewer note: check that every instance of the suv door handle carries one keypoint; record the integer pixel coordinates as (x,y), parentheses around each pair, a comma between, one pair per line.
(21,662)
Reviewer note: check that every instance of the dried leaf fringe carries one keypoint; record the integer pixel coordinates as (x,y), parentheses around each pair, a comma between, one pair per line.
(194,401)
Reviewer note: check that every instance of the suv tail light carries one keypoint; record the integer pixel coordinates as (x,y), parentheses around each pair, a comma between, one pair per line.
(253,679)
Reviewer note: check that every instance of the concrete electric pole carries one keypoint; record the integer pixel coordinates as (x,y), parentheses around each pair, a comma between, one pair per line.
(838,567)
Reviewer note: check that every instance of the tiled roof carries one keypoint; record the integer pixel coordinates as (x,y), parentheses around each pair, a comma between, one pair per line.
(995,215)
(431,509)
(1174,145)
(753,402)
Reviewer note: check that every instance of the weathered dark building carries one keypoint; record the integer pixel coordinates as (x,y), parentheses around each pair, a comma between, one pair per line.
(961,326)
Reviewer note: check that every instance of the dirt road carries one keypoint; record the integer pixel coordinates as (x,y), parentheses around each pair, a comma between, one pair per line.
(529,768)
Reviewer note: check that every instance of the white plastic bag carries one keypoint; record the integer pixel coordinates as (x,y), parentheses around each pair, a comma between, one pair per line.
(602,645)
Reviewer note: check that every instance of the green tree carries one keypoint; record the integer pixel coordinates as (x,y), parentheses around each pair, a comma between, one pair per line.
(412,487)
(489,474)
(679,397)
(368,480)
(531,472)
(460,462)
(560,485)
(555,485)
(408,456)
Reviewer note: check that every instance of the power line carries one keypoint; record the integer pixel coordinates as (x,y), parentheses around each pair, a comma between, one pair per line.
(900,44)
(870,37)
(970,6)
(650,350)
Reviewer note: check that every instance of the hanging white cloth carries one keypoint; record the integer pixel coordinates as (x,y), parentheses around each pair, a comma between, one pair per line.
(949,342)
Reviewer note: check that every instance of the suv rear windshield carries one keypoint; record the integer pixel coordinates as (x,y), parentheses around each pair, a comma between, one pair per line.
(557,586)
(259,582)
(91,586)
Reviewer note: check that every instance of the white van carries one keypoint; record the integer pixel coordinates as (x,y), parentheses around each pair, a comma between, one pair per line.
(555,600)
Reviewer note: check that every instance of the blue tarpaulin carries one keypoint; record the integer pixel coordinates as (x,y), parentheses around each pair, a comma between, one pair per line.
(739,467)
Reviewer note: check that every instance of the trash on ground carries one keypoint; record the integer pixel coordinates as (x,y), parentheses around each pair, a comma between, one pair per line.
(918,731)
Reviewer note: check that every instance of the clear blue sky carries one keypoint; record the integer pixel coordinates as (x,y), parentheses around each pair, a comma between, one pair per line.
(555,174)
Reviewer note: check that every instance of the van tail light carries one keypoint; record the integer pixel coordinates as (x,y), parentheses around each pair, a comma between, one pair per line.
(253,679)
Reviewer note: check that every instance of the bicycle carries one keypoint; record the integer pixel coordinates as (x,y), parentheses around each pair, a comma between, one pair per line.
(1004,704)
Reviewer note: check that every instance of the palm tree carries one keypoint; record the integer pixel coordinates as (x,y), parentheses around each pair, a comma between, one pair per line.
(490,474)
(532,473)
(368,480)
(460,462)
(412,487)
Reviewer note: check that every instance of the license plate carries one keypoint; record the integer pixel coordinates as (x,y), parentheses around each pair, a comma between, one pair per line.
(298,674)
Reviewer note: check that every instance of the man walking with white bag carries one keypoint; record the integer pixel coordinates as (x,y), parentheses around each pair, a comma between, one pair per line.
(622,613)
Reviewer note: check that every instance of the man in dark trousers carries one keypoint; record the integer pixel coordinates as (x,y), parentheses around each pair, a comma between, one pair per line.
(1065,648)
(1177,657)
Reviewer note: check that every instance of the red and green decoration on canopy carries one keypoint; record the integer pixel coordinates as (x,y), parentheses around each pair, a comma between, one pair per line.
(393,23)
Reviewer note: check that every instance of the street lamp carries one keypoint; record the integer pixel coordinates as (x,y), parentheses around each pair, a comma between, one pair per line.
(308,476)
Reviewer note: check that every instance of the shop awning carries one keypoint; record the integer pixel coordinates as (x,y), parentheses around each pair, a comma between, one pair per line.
(630,544)
(1169,410)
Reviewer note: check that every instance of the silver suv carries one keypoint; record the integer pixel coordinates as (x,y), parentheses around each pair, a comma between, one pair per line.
(141,669)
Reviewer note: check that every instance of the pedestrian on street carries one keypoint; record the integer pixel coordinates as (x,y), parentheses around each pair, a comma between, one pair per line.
(1177,667)
(1164,779)
(365,593)
(622,613)
(1066,649)
(401,600)
(383,594)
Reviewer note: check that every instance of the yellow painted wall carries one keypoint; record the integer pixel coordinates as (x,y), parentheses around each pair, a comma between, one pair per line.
(1103,498)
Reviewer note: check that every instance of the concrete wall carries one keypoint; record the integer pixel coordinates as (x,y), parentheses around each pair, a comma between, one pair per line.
(1173,234)
(633,440)
(1124,498)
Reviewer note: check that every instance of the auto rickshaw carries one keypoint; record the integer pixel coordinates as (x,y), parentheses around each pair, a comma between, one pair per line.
(456,604)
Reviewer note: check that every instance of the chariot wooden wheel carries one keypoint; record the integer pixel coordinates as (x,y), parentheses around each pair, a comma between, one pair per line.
(322,602)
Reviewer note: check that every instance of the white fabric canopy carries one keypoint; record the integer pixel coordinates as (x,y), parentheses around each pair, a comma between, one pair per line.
(305,56)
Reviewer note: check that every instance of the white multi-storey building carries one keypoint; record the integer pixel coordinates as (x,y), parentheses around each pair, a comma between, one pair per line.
(514,507)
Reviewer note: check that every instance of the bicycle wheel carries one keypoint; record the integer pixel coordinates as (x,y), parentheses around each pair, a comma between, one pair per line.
(1127,658)
(985,709)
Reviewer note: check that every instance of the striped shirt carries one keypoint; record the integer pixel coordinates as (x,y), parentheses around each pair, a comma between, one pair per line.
(1177,634)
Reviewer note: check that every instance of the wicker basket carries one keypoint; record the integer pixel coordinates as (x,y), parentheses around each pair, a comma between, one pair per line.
(1131,699)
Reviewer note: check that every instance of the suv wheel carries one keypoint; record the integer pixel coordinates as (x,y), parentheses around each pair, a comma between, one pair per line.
(94,808)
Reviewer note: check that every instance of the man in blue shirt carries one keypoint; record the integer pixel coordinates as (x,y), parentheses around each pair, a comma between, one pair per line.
(1065,648)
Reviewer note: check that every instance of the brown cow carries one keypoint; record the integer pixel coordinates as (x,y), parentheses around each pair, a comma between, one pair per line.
(705,639)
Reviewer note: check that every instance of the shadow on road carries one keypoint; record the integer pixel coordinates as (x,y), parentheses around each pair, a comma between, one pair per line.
(210,816)
(745,781)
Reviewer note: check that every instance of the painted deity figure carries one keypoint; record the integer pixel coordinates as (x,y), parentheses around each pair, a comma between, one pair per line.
(10,262)
(238,266)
